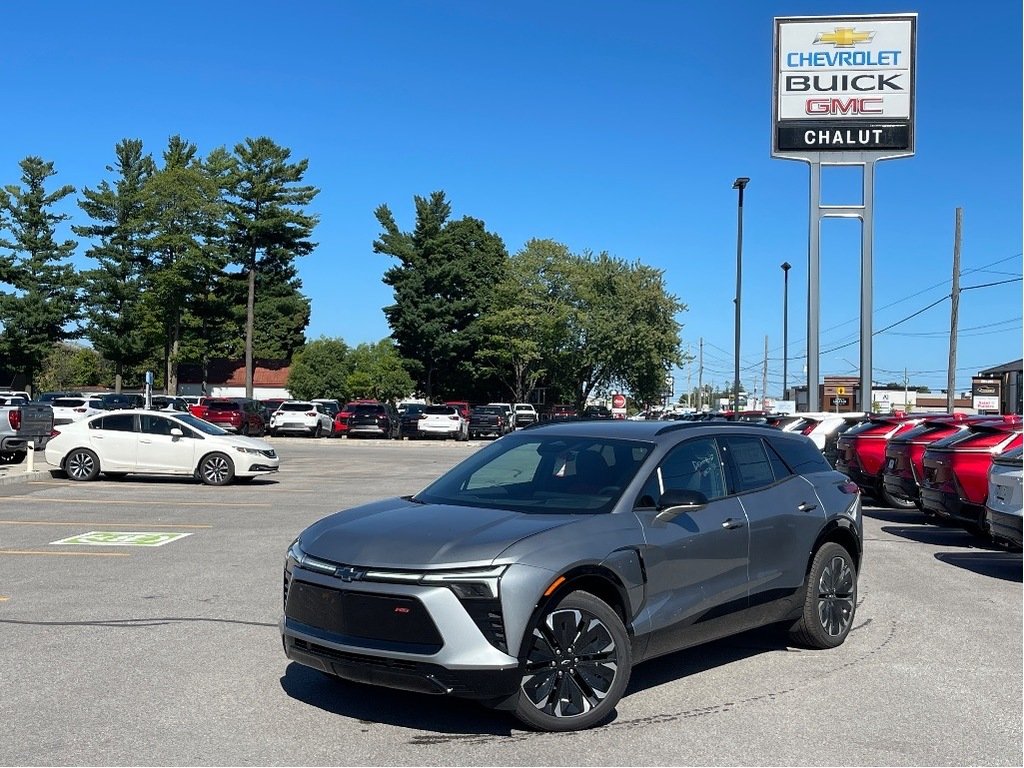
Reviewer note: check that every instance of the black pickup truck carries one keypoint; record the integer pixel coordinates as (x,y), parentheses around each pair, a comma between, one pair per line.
(488,420)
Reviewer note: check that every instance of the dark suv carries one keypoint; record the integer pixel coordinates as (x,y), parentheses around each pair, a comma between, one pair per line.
(236,414)
(373,420)
(535,574)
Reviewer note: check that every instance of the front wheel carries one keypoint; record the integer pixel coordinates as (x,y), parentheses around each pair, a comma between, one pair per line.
(216,469)
(831,599)
(576,665)
(82,464)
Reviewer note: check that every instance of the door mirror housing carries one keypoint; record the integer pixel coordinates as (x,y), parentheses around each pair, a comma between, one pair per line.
(676,501)
(175,432)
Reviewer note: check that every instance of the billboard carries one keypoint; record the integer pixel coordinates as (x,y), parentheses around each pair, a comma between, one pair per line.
(844,84)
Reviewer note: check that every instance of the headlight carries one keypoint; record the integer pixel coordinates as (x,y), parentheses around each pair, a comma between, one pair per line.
(300,558)
(469,583)
(242,449)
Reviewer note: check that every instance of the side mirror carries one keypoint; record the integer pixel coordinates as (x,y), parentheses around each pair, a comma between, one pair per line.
(675,501)
(175,432)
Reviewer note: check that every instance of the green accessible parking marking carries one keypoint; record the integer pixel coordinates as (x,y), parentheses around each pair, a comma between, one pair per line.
(122,539)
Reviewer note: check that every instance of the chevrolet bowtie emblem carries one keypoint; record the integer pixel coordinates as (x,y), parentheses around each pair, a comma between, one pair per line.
(843,37)
(347,573)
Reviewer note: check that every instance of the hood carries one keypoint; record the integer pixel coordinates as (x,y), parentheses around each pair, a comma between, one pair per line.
(246,442)
(398,533)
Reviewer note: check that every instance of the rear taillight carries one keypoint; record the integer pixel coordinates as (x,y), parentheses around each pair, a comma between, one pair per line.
(80,410)
(14,416)
(849,487)
(809,428)
(423,415)
(54,433)
(311,413)
(454,418)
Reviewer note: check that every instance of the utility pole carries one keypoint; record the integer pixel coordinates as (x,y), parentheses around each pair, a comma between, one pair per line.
(689,378)
(953,312)
(700,378)
(906,391)
(764,374)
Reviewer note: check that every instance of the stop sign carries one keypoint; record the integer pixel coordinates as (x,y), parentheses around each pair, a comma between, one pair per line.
(618,401)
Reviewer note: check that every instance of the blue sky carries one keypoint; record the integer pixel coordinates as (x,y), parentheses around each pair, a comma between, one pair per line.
(607,126)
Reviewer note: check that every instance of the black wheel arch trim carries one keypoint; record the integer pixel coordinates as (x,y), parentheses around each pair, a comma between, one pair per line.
(844,532)
(598,580)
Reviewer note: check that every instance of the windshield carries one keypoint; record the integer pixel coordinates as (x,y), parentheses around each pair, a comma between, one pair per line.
(542,475)
(203,426)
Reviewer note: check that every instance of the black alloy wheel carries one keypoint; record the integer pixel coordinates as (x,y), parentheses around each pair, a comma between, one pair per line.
(831,599)
(577,662)
(82,464)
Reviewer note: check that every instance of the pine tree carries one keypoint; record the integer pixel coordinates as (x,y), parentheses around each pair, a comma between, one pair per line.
(267,226)
(45,304)
(113,290)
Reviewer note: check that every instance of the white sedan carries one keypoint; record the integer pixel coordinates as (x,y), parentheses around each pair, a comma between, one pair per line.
(158,443)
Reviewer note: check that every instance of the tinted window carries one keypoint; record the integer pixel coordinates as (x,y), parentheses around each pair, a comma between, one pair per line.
(368,409)
(492,410)
(155,425)
(440,410)
(800,455)
(296,407)
(68,402)
(691,466)
(778,465)
(750,464)
(222,405)
(117,422)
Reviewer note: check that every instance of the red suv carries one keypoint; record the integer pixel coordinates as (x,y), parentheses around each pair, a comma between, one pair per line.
(955,481)
(860,453)
(236,414)
(904,454)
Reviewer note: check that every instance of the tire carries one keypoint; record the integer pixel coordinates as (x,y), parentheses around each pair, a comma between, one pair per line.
(13,457)
(896,502)
(216,469)
(244,431)
(462,436)
(318,431)
(82,464)
(830,601)
(576,664)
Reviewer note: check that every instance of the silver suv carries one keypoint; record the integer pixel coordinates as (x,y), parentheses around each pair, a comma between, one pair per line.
(535,574)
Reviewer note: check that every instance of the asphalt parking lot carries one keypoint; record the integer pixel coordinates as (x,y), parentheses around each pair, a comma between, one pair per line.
(170,654)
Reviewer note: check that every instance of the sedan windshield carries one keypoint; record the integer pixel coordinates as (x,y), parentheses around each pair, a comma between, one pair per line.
(200,425)
(542,475)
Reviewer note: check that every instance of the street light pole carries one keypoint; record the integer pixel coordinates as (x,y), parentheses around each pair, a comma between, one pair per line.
(786,266)
(740,184)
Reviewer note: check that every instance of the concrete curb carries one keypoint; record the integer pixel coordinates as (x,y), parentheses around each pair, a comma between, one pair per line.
(20,475)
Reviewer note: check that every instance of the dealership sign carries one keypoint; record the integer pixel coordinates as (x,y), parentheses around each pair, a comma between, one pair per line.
(844,84)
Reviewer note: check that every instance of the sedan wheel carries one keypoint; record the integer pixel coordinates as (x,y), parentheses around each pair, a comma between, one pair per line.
(216,469)
(82,464)
(831,599)
(577,664)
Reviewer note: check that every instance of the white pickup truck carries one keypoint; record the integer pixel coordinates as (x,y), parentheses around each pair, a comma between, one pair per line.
(21,422)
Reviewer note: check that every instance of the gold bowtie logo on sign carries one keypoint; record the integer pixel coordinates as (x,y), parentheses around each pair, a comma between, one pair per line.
(843,37)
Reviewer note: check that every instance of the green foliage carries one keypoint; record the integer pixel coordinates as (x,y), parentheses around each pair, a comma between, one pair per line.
(69,366)
(443,283)
(113,290)
(45,303)
(267,227)
(378,373)
(320,369)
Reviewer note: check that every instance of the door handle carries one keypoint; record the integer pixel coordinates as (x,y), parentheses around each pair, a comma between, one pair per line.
(731,523)
(145,442)
(805,507)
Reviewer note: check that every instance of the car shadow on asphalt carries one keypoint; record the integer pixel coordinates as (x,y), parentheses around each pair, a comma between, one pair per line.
(59,474)
(373,704)
(997,565)
(450,715)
